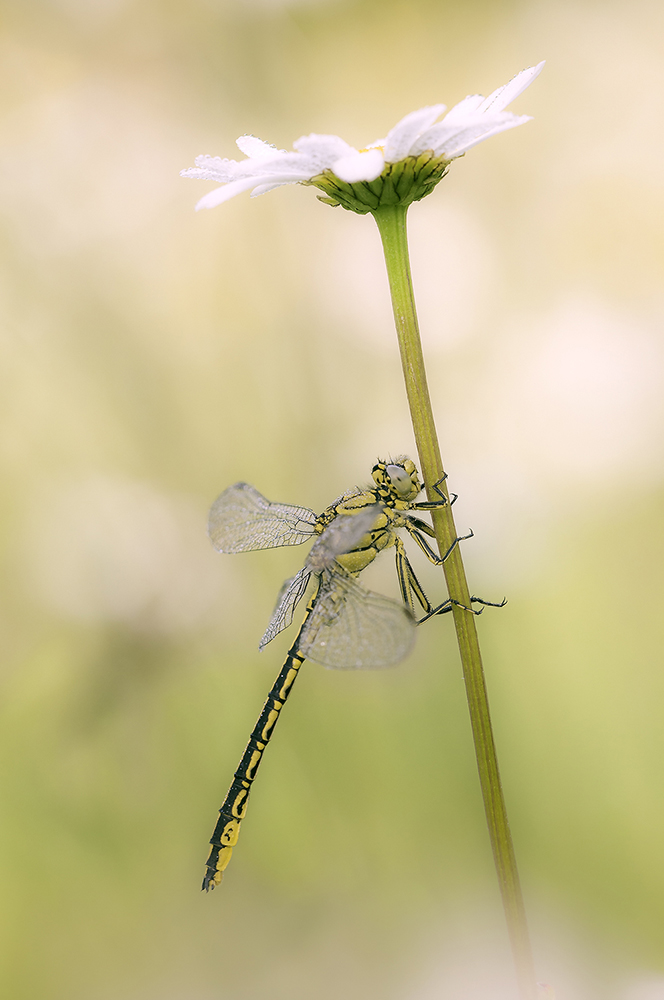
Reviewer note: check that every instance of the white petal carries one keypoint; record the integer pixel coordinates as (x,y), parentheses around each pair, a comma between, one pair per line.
(281,162)
(464,114)
(228,191)
(509,91)
(270,161)
(359,166)
(225,193)
(323,150)
(253,147)
(467,108)
(401,137)
(439,136)
(212,168)
(264,188)
(470,137)
(435,137)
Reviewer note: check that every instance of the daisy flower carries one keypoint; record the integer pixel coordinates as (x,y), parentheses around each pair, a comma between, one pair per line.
(401,168)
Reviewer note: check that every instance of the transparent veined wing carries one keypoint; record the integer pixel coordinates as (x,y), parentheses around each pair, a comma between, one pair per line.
(241,520)
(291,594)
(351,628)
(342,535)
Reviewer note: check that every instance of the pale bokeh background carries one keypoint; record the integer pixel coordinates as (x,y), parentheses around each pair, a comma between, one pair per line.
(152,356)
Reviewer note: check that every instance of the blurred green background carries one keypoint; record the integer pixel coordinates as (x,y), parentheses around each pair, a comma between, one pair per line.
(151,356)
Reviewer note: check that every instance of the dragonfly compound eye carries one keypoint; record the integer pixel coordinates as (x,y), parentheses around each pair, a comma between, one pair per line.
(400,481)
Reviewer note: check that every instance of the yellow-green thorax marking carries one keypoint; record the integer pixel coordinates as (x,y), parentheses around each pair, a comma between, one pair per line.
(396,487)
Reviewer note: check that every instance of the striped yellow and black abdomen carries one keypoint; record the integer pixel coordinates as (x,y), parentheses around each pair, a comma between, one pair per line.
(232,812)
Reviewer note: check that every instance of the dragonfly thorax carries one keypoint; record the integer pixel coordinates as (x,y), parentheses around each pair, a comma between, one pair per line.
(396,482)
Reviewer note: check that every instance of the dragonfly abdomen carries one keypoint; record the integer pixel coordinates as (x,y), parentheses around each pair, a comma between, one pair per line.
(234,807)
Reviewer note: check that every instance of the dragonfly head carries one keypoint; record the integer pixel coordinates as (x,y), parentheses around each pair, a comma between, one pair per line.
(397,480)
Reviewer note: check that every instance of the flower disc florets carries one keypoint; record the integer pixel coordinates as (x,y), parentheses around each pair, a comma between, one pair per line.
(400,183)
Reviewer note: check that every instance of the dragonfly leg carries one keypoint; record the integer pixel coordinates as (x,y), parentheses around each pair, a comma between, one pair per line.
(436,486)
(490,604)
(459,538)
(415,529)
(411,588)
(437,504)
(447,606)
(409,585)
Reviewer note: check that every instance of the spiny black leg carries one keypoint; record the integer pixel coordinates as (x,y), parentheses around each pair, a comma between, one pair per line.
(403,577)
(436,486)
(446,606)
(432,556)
(409,584)
(435,504)
(437,560)
(459,538)
(453,497)
(421,525)
(490,604)
(442,609)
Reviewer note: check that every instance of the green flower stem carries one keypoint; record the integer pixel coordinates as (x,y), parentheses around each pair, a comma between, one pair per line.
(391,222)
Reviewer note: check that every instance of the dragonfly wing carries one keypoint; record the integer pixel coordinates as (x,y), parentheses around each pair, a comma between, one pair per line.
(342,535)
(291,594)
(352,628)
(241,520)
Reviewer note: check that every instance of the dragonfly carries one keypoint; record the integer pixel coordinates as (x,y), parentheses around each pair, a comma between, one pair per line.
(345,626)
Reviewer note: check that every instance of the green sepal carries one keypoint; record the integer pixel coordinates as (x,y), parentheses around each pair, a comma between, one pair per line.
(402,183)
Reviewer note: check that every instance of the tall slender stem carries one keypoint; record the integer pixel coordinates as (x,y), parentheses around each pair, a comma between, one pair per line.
(391,222)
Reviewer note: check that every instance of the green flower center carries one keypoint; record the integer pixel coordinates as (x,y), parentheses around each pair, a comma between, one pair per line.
(400,183)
